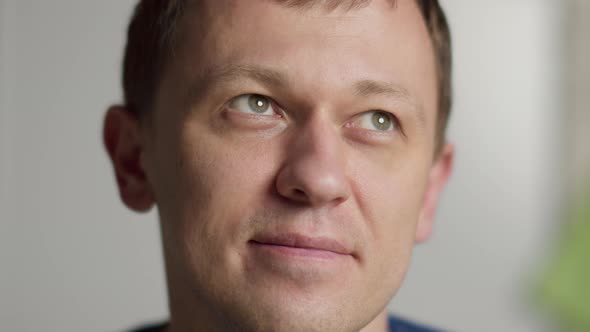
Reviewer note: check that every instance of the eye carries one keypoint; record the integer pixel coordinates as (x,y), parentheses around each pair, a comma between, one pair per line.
(253,104)
(377,120)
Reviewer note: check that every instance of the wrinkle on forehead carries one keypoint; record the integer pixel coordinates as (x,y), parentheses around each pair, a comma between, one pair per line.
(329,5)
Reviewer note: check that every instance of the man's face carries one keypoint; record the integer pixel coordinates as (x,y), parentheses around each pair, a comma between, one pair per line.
(291,155)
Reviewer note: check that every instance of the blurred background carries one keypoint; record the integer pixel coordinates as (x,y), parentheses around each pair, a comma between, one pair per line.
(72,258)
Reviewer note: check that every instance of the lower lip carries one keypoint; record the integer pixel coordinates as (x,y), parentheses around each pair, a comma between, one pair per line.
(294,252)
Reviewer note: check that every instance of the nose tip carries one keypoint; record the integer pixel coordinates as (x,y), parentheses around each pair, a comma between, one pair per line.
(303,183)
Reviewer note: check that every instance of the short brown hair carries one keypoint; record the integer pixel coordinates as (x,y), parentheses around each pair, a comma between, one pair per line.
(152,29)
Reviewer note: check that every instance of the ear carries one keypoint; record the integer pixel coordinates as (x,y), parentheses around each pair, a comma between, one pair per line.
(123,141)
(439,175)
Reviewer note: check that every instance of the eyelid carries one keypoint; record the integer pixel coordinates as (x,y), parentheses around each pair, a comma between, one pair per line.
(398,124)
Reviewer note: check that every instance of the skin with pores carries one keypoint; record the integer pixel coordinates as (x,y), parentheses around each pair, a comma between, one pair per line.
(291,157)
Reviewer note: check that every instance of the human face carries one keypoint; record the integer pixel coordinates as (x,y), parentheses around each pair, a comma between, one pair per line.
(291,158)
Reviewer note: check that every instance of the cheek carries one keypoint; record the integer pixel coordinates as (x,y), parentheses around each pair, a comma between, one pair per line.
(390,196)
(208,191)
(221,182)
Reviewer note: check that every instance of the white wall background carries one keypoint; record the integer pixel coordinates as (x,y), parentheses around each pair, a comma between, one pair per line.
(501,210)
(73,259)
(578,98)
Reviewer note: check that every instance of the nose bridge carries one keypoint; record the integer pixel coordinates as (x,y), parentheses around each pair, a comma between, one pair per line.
(315,168)
(318,142)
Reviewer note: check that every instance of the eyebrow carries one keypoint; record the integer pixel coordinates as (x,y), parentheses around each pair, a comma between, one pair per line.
(225,74)
(369,88)
(273,78)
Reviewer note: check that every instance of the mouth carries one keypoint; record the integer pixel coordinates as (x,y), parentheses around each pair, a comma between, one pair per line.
(292,244)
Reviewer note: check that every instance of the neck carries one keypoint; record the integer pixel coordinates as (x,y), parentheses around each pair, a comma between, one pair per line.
(379,324)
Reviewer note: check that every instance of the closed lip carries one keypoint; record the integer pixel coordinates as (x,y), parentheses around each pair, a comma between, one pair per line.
(299,241)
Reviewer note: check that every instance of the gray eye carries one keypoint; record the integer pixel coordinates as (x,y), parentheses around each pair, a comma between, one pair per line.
(253,104)
(376,121)
(258,103)
(381,120)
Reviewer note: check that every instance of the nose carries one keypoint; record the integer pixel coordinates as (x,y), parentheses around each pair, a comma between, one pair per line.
(314,172)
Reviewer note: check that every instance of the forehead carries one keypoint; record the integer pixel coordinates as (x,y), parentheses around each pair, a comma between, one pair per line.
(373,17)
(319,46)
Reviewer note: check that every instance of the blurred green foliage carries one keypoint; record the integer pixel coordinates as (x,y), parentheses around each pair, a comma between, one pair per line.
(565,287)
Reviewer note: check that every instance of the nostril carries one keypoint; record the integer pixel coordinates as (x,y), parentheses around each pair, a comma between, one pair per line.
(299,193)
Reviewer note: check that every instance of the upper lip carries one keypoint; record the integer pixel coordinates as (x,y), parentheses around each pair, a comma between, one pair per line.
(302,241)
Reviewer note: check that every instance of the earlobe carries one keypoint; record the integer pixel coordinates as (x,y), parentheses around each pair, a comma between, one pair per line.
(439,176)
(123,142)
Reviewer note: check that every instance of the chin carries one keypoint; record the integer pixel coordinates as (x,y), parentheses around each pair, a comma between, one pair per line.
(294,317)
(277,308)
